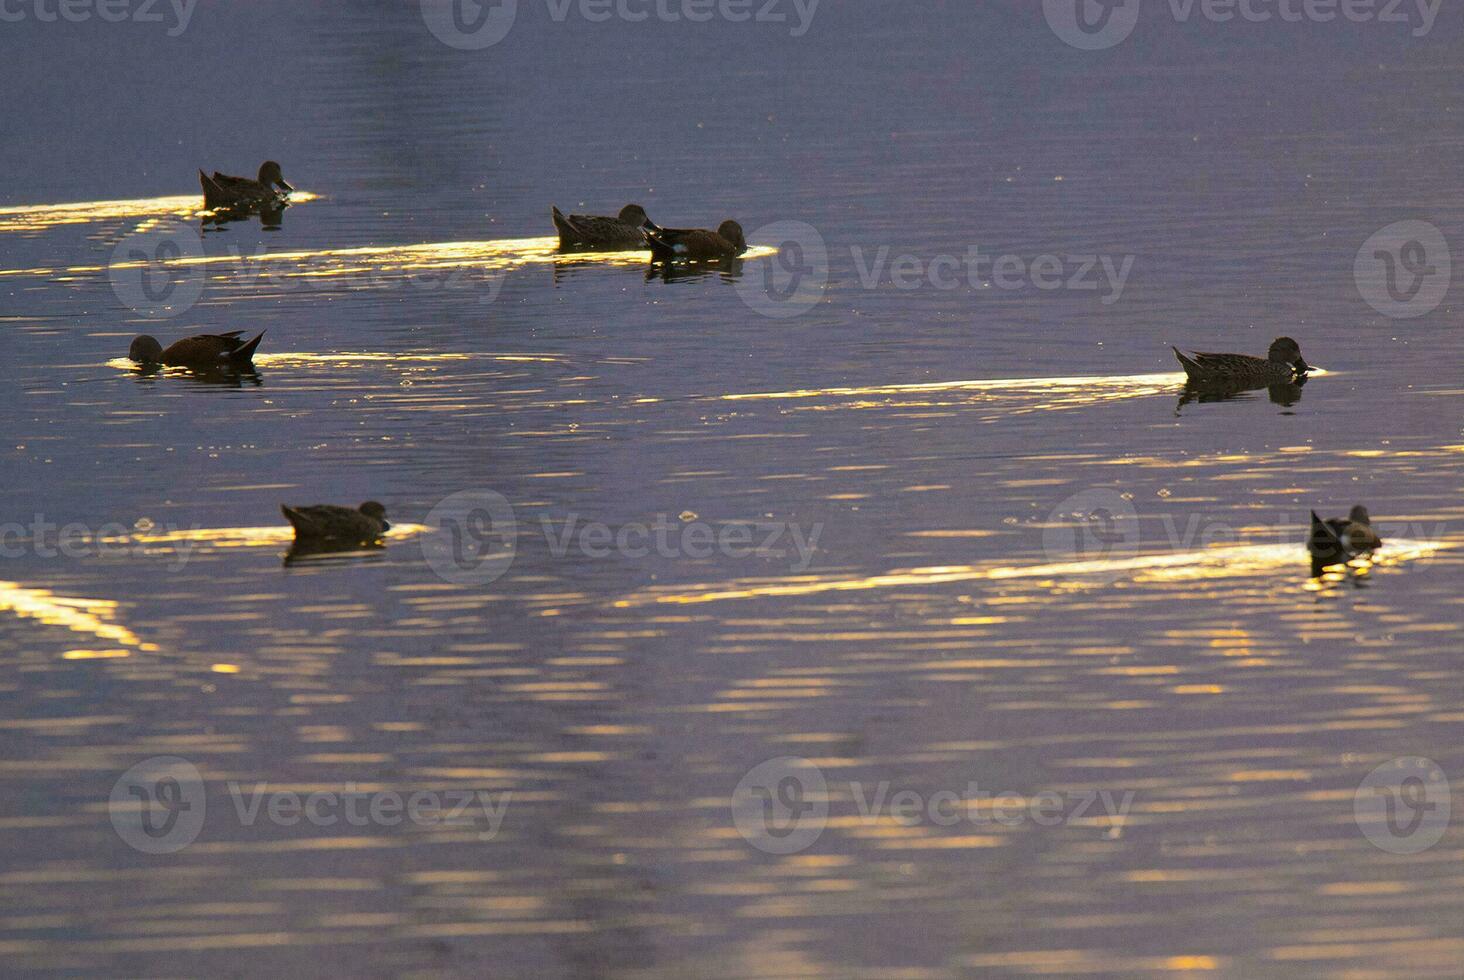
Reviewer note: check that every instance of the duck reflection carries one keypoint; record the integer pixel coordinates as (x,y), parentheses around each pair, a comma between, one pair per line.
(728,270)
(1286,395)
(326,551)
(271,216)
(221,377)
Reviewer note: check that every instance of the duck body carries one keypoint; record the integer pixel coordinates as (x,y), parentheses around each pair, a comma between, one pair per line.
(1335,540)
(1282,365)
(202,352)
(225,191)
(696,244)
(329,524)
(581,232)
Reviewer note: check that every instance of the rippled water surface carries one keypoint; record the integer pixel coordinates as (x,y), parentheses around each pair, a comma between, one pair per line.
(951,543)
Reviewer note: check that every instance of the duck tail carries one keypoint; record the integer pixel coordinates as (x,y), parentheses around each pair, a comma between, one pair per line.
(1323,541)
(297,520)
(567,231)
(245,354)
(1191,367)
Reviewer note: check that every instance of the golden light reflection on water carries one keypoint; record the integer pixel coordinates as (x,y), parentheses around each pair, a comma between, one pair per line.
(1052,393)
(1213,563)
(303,359)
(93,617)
(242,537)
(358,265)
(39,217)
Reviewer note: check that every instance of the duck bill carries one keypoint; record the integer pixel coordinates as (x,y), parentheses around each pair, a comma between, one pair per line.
(284,186)
(1301,366)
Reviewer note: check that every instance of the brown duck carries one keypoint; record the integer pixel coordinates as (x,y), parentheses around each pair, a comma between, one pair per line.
(224,191)
(1335,540)
(625,232)
(1281,365)
(212,352)
(326,524)
(697,244)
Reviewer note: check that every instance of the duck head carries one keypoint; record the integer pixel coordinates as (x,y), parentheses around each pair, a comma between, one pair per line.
(375,511)
(1359,515)
(634,214)
(732,231)
(145,350)
(1288,351)
(271,176)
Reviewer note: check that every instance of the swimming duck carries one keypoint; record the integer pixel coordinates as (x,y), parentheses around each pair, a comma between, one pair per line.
(590,231)
(1334,540)
(697,244)
(330,524)
(223,191)
(1282,364)
(206,351)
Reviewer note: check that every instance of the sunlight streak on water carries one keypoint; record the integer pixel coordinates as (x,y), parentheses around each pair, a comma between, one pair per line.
(498,255)
(80,615)
(1214,563)
(39,217)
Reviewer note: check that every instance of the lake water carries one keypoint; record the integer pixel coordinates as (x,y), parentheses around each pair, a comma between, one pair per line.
(706,638)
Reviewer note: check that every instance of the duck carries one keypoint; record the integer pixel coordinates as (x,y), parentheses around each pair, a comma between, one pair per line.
(1282,364)
(205,351)
(330,524)
(224,191)
(624,232)
(697,244)
(1335,540)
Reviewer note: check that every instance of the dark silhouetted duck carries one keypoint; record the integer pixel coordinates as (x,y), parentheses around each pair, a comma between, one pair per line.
(223,191)
(1282,365)
(207,351)
(590,231)
(697,244)
(1335,540)
(328,524)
